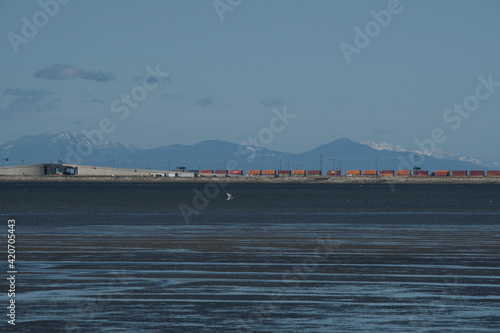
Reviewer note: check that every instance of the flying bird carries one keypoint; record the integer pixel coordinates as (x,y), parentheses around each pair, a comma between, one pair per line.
(229,196)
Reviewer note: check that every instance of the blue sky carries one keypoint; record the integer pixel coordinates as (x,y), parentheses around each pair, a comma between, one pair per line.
(226,76)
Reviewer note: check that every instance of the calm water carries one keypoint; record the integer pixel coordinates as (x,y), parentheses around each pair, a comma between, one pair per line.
(277,258)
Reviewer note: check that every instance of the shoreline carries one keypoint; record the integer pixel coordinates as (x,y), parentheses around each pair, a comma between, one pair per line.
(254,180)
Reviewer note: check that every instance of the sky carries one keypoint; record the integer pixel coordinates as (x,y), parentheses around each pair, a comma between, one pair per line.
(290,74)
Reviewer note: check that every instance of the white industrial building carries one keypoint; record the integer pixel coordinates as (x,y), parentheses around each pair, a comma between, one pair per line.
(54,169)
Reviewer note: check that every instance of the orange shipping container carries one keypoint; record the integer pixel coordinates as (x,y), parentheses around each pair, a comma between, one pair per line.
(269,172)
(442,173)
(387,173)
(403,173)
(254,172)
(299,172)
(369,172)
(353,172)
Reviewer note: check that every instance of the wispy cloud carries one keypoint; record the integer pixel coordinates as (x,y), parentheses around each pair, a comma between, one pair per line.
(273,102)
(150,79)
(206,101)
(180,97)
(93,100)
(27,102)
(68,72)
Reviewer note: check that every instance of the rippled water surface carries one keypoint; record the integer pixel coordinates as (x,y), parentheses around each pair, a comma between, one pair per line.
(277,258)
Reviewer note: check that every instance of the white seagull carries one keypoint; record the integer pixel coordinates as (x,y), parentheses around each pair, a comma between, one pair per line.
(229,196)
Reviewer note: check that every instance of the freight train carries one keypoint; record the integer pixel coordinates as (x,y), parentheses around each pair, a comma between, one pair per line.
(352,173)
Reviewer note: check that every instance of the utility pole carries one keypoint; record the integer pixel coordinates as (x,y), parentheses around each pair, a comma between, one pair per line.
(321,162)
(280,164)
(376,163)
(113,163)
(288,165)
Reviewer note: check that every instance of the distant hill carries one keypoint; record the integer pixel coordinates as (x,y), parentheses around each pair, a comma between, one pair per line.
(216,154)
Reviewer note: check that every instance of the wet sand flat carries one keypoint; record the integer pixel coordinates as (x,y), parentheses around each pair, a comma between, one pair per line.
(259,278)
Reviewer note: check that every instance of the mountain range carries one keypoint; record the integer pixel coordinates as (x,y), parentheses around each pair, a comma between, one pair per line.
(75,147)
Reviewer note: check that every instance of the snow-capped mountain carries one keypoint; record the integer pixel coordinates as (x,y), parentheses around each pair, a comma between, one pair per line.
(436,153)
(216,154)
(383,146)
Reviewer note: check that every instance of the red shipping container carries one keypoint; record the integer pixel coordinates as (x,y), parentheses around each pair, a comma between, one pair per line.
(333,173)
(206,171)
(493,173)
(284,172)
(236,172)
(314,172)
(420,173)
(403,173)
(476,173)
(459,173)
(221,172)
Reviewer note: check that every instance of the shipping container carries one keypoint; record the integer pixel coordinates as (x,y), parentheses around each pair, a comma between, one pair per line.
(421,173)
(284,172)
(269,172)
(493,173)
(221,172)
(186,174)
(353,172)
(207,171)
(459,173)
(442,173)
(476,173)
(254,172)
(403,173)
(236,172)
(299,172)
(314,172)
(369,172)
(333,173)
(156,174)
(387,173)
